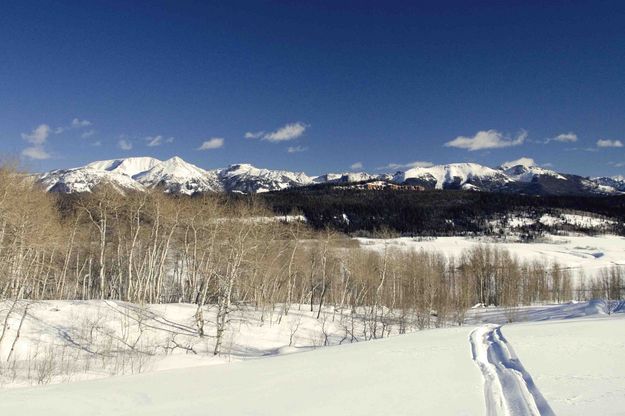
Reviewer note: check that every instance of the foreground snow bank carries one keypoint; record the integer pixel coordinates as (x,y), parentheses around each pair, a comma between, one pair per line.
(66,341)
(578,364)
(429,372)
(565,357)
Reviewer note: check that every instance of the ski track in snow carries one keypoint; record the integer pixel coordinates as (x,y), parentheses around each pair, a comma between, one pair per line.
(508,388)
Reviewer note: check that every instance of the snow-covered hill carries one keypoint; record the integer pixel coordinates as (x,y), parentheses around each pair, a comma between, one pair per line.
(563,359)
(177,176)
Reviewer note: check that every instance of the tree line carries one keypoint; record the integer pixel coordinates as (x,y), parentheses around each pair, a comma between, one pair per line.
(437,212)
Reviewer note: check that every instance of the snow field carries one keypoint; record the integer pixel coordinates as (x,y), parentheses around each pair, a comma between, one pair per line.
(577,253)
(579,364)
(429,372)
(565,359)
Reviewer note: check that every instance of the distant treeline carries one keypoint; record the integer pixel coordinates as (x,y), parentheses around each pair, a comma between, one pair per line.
(434,212)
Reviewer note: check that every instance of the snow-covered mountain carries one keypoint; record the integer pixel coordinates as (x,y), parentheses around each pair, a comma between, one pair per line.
(615,182)
(249,179)
(177,176)
(348,177)
(454,176)
(526,172)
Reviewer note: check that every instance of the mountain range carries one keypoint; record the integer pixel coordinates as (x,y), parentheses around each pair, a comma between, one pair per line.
(179,177)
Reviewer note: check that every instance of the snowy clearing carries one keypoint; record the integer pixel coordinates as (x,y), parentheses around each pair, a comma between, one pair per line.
(568,358)
(590,254)
(429,372)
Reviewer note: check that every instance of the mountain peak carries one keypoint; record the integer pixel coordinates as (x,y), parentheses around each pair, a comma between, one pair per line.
(130,166)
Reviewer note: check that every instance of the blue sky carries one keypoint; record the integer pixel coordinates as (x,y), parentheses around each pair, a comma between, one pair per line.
(371,84)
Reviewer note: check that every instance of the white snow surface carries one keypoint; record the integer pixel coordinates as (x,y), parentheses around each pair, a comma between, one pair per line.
(565,359)
(429,372)
(508,388)
(578,364)
(130,166)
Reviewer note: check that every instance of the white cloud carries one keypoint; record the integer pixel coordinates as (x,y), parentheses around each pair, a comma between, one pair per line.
(88,133)
(153,141)
(254,134)
(96,143)
(288,132)
(609,143)
(124,144)
(36,152)
(213,143)
(38,136)
(524,161)
(415,164)
(569,137)
(487,139)
(296,149)
(78,123)
(357,165)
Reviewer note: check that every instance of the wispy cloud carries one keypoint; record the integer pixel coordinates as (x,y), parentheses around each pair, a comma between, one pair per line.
(254,134)
(78,123)
(487,139)
(87,134)
(213,143)
(124,144)
(609,143)
(415,164)
(38,135)
(617,164)
(36,152)
(357,165)
(296,149)
(37,138)
(288,132)
(285,133)
(153,141)
(96,143)
(569,137)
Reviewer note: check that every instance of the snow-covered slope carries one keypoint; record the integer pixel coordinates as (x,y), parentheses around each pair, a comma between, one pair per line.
(454,175)
(526,173)
(85,180)
(347,177)
(177,176)
(130,166)
(247,178)
(562,358)
(616,183)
